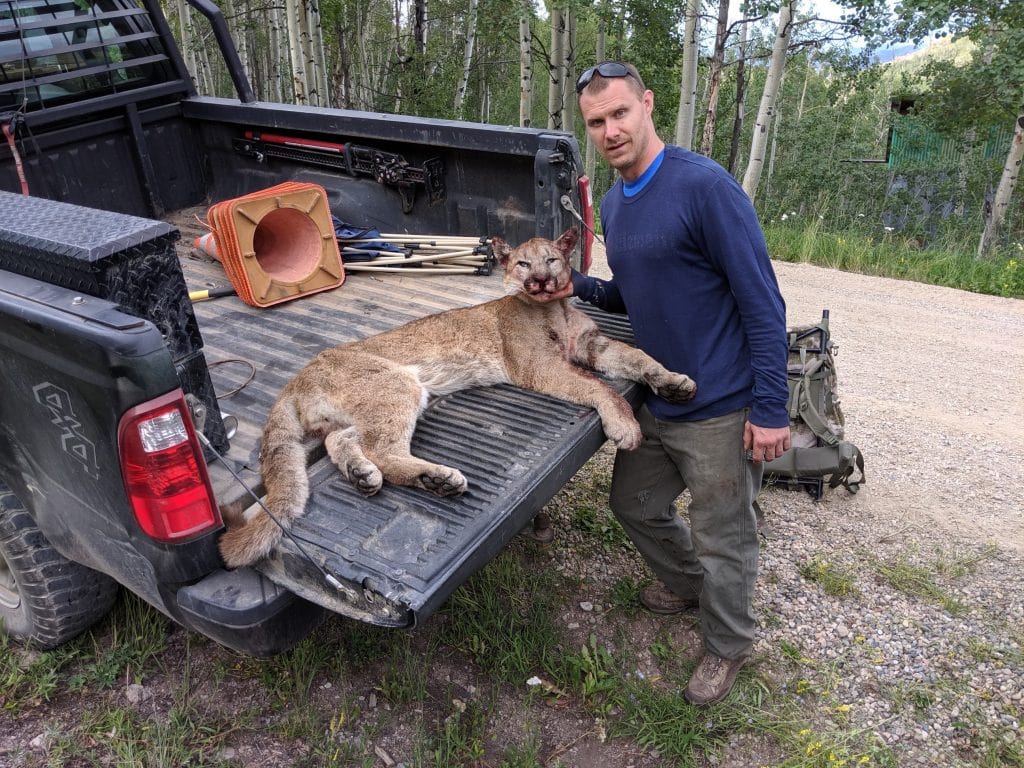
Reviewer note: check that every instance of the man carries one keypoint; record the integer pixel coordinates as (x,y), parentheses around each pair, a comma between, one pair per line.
(691,267)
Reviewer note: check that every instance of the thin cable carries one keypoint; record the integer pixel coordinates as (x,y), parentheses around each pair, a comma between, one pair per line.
(244,384)
(567,204)
(327,577)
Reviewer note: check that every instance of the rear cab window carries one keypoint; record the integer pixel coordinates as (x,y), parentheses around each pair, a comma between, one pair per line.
(57,52)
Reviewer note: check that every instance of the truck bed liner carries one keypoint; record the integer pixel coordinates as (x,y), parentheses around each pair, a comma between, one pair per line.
(402,552)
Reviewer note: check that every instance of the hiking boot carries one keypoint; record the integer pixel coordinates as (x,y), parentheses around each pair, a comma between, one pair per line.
(712,679)
(657,598)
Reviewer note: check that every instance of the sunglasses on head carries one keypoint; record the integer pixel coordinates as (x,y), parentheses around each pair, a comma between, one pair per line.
(605,69)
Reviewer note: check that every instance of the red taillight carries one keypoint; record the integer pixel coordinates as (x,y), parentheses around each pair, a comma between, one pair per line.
(164,471)
(587,214)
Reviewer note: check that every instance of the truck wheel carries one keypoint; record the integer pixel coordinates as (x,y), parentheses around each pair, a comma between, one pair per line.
(45,599)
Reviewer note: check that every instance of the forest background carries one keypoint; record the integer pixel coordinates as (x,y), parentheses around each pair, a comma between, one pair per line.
(907,168)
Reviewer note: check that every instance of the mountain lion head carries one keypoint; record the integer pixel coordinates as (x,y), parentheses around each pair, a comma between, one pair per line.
(538,267)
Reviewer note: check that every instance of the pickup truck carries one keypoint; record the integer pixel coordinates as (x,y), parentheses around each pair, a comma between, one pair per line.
(131,411)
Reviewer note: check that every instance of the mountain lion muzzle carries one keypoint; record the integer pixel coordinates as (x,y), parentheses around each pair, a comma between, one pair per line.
(363,398)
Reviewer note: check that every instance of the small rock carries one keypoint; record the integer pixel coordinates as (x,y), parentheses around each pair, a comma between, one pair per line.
(137,694)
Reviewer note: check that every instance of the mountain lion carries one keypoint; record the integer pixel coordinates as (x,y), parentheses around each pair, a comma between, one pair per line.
(363,398)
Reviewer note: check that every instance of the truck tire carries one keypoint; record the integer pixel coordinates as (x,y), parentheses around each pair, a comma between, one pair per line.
(45,599)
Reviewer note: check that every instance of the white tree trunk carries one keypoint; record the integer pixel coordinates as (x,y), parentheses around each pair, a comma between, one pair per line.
(276,56)
(741,99)
(803,91)
(525,71)
(293,12)
(776,122)
(707,141)
(590,154)
(556,77)
(766,110)
(467,57)
(995,215)
(187,44)
(688,83)
(317,55)
(568,70)
(421,25)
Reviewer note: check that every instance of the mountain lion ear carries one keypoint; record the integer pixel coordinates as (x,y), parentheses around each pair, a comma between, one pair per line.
(567,241)
(501,250)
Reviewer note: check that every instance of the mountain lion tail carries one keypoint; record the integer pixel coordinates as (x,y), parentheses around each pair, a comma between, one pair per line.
(253,534)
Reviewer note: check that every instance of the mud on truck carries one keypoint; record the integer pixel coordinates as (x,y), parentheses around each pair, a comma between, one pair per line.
(130,413)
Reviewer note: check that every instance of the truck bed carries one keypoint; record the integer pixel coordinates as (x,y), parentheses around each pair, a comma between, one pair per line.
(401,553)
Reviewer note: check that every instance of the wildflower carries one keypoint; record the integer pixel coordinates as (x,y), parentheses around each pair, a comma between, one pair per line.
(784,216)
(888,229)
(844,708)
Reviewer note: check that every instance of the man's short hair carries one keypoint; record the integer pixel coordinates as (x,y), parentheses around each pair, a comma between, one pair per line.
(593,81)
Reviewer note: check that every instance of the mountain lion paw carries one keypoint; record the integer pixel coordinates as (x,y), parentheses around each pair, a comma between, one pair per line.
(444,481)
(624,433)
(674,387)
(365,476)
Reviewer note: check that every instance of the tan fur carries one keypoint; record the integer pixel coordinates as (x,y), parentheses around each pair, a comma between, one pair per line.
(364,398)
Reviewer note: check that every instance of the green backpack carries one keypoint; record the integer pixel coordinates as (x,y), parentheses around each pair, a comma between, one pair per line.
(819,454)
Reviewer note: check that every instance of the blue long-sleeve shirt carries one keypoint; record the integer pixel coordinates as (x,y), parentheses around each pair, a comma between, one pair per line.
(691,267)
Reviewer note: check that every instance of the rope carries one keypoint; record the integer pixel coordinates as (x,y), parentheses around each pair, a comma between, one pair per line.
(9,134)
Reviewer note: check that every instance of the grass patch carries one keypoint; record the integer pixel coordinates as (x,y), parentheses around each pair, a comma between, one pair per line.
(183,737)
(28,678)
(918,581)
(950,263)
(597,521)
(834,579)
(504,619)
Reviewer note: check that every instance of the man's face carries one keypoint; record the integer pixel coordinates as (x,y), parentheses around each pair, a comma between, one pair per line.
(619,123)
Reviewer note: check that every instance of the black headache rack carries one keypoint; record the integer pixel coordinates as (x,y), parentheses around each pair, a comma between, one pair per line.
(61,60)
(400,554)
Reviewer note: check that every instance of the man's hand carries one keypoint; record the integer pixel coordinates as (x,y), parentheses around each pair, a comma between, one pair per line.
(765,443)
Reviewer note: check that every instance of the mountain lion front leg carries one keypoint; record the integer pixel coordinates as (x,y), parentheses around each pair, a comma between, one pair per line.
(625,362)
(560,378)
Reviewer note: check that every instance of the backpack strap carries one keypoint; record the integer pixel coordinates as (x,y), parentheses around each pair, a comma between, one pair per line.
(851,459)
(802,406)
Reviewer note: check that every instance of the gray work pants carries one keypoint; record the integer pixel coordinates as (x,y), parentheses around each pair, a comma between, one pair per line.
(714,557)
